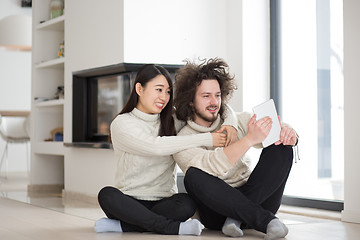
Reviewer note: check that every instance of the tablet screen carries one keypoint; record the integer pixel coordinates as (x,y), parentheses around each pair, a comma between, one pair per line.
(268,109)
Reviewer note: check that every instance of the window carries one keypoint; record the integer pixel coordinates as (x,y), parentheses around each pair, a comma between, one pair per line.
(307,82)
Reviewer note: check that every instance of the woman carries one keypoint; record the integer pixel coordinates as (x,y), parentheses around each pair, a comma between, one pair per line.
(143,137)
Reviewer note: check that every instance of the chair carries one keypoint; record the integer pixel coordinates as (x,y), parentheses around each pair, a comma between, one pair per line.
(14,129)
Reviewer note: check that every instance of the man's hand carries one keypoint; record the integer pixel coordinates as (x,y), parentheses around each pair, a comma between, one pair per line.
(219,139)
(258,130)
(287,135)
(231,134)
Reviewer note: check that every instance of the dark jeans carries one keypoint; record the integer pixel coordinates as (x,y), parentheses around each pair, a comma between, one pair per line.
(163,216)
(254,204)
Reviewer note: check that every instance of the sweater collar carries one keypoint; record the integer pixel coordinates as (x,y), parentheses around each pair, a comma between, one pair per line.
(145,116)
(203,129)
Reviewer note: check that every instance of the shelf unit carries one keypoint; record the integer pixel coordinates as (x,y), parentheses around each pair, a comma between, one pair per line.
(57,63)
(56,24)
(50,103)
(47,75)
(48,148)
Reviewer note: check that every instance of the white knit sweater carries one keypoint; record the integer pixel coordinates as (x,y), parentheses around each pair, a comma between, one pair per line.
(145,167)
(213,160)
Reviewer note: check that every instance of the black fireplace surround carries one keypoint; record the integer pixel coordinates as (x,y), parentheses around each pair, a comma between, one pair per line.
(98,95)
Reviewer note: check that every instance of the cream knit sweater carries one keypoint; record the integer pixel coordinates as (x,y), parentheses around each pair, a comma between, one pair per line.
(145,167)
(213,160)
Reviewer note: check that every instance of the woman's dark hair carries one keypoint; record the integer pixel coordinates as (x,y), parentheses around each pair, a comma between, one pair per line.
(189,77)
(145,74)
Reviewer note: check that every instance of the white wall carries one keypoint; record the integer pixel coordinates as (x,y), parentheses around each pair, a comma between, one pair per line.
(15,82)
(93,38)
(256,54)
(351,211)
(162,31)
(234,43)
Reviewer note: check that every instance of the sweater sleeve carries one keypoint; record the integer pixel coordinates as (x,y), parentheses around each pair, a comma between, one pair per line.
(131,138)
(214,162)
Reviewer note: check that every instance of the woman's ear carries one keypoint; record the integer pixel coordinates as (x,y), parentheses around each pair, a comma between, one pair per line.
(138,88)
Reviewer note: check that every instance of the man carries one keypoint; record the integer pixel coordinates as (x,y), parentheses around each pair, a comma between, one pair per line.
(228,194)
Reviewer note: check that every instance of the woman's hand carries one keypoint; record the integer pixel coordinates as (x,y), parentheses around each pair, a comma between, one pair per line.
(258,130)
(287,135)
(219,139)
(231,134)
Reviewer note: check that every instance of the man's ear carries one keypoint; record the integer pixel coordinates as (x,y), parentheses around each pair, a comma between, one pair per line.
(138,88)
(191,104)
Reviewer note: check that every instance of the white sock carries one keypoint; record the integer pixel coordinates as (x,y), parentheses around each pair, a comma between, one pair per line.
(231,228)
(275,229)
(191,227)
(107,225)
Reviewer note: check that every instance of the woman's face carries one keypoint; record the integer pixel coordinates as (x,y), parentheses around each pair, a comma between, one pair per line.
(154,96)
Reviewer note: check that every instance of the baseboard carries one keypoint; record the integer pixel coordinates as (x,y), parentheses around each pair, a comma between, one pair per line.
(70,197)
(331,205)
(41,189)
(350,216)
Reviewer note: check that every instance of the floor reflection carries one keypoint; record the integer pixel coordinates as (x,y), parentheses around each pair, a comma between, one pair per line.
(15,188)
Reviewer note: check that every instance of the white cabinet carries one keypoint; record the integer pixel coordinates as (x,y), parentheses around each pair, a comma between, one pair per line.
(47,111)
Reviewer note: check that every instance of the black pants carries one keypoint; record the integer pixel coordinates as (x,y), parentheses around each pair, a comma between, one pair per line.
(254,204)
(163,216)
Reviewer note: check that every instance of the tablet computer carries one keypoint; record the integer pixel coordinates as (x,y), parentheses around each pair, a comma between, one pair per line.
(268,109)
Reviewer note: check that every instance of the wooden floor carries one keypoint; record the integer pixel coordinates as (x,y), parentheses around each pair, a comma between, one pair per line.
(25,218)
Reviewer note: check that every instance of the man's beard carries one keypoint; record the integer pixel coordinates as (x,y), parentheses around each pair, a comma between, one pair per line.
(211,118)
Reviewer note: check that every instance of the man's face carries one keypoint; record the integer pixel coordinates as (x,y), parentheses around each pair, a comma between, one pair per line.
(207,102)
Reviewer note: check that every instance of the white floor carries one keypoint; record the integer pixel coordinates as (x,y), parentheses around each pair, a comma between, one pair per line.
(24,218)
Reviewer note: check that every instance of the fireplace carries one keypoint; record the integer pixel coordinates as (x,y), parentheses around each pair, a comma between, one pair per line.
(98,95)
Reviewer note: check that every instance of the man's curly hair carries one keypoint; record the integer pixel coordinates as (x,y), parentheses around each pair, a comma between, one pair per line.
(189,77)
